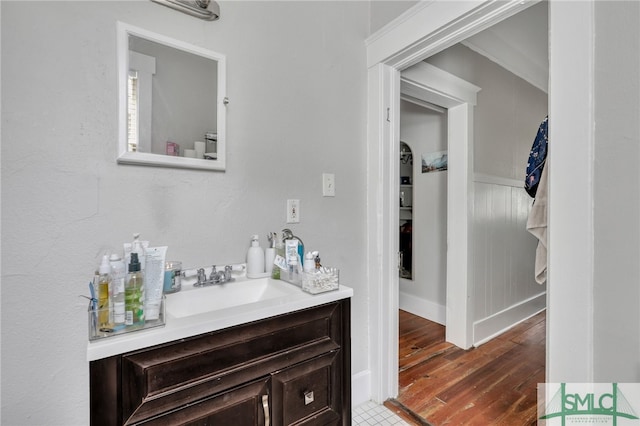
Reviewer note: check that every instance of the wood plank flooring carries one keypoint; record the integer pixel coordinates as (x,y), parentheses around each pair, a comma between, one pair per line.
(493,384)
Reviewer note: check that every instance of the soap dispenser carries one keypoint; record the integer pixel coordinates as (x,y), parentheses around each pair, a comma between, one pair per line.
(255,259)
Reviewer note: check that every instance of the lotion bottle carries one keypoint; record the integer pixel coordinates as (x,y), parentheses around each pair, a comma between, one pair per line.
(255,259)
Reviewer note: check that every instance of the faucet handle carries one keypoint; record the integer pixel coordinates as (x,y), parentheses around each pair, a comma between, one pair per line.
(214,273)
(227,272)
(202,277)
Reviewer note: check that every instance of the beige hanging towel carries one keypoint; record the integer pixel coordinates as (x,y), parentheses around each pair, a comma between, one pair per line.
(537,225)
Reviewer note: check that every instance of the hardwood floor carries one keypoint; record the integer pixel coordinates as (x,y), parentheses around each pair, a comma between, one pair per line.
(493,384)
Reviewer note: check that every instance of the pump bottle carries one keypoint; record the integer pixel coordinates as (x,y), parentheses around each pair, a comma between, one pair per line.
(255,259)
(134,294)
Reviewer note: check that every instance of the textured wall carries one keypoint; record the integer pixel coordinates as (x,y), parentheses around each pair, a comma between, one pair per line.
(383,12)
(297,86)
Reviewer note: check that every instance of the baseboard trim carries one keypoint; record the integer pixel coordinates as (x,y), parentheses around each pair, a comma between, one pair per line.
(360,388)
(490,327)
(423,308)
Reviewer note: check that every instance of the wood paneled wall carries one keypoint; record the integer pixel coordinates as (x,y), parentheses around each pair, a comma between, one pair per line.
(503,254)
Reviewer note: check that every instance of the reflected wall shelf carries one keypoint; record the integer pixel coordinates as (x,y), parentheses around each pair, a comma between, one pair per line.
(406,212)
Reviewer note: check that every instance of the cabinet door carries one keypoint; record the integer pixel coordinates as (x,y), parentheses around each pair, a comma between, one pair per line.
(246,405)
(309,393)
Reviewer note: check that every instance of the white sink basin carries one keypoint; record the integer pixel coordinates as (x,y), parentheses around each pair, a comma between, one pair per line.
(195,301)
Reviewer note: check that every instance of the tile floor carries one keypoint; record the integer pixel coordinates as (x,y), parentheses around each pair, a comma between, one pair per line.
(372,414)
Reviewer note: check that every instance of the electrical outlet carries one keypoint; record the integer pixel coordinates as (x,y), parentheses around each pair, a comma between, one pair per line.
(328,185)
(293,211)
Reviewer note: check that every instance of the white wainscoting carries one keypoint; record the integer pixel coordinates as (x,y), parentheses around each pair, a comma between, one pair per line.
(503,252)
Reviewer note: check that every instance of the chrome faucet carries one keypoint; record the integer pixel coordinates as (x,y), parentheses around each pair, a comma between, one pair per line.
(216,277)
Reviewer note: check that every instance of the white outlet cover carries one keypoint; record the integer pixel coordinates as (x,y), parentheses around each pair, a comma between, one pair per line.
(293,211)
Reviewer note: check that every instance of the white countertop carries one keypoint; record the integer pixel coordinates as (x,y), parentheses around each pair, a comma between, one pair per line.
(187,326)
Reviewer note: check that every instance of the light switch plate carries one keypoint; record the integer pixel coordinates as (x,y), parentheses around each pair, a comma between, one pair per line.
(328,185)
(293,211)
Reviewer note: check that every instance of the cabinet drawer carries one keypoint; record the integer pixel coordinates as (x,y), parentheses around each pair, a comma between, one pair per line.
(242,406)
(308,393)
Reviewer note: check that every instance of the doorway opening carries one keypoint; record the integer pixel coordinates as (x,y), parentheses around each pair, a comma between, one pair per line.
(423,209)
(439,32)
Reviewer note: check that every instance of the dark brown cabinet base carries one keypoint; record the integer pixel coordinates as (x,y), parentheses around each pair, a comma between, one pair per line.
(284,370)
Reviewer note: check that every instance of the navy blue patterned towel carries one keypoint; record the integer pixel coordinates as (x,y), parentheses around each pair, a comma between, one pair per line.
(537,158)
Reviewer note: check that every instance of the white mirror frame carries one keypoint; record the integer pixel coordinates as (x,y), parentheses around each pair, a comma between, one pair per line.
(159,160)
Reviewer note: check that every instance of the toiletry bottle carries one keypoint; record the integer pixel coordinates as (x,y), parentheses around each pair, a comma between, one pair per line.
(134,294)
(270,254)
(309,262)
(118,276)
(104,282)
(255,258)
(275,273)
(287,234)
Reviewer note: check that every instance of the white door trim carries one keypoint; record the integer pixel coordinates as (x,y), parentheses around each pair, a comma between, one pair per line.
(429,83)
(423,31)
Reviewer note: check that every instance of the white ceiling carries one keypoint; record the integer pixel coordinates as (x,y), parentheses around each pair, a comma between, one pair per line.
(519,44)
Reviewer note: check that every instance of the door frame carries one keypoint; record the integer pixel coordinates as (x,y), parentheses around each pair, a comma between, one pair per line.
(422,31)
(459,97)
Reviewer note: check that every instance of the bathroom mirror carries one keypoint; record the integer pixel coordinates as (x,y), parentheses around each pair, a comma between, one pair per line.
(172,102)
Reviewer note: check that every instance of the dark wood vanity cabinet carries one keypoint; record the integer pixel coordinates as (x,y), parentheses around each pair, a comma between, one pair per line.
(289,369)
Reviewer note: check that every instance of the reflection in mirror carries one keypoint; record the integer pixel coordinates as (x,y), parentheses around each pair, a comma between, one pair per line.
(172,108)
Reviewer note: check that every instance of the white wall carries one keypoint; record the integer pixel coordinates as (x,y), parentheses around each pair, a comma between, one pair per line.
(297,87)
(425,131)
(383,12)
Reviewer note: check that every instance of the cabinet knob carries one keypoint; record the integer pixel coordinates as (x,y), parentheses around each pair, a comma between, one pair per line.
(308,397)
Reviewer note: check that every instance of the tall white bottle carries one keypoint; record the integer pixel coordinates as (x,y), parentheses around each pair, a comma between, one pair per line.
(255,259)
